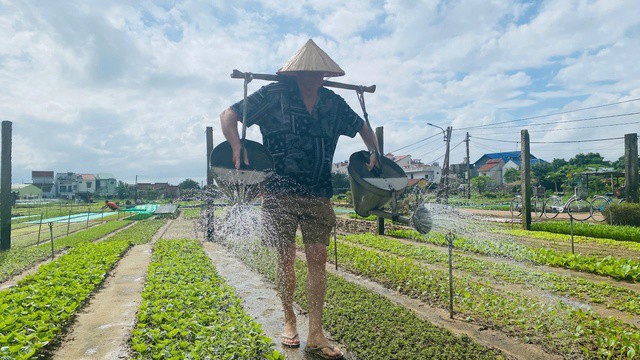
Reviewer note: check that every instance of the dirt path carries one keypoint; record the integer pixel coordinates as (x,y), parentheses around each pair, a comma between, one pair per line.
(101,330)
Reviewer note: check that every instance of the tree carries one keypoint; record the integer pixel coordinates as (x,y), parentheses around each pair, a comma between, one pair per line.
(587,159)
(512,175)
(480,183)
(123,190)
(188,184)
(340,183)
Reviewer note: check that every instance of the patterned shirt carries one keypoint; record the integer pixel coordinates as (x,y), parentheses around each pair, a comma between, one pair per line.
(302,144)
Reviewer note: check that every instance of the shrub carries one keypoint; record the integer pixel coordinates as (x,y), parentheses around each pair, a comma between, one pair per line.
(623,214)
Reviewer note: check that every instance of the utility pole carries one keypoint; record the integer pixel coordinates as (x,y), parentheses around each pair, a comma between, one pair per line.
(468,169)
(444,181)
(442,195)
(135,198)
(525,168)
(380,139)
(631,167)
(209,135)
(5,187)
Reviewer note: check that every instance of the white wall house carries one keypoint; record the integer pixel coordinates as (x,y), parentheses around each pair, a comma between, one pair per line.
(106,184)
(493,170)
(66,185)
(87,184)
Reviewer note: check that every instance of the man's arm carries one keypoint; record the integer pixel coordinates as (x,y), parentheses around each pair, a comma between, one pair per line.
(229,124)
(369,139)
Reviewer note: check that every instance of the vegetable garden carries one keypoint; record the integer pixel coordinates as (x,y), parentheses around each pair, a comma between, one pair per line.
(517,294)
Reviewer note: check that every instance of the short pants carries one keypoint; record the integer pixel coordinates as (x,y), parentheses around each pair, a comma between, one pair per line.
(283,214)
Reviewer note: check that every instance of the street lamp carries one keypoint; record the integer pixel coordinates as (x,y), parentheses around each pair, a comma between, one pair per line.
(443,190)
(441,129)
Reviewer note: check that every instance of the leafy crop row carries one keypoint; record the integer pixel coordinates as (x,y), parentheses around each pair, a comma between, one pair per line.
(585,290)
(16,260)
(617,268)
(563,238)
(35,311)
(557,327)
(626,233)
(188,311)
(371,326)
(139,233)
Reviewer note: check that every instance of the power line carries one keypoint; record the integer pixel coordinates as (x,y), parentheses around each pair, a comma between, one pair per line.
(551,142)
(554,122)
(564,129)
(557,113)
(417,142)
(425,145)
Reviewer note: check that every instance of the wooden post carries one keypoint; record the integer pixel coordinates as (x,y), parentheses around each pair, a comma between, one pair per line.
(525,168)
(209,134)
(631,167)
(380,138)
(468,169)
(5,187)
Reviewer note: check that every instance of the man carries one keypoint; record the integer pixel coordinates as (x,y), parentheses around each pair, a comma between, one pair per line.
(111,205)
(300,122)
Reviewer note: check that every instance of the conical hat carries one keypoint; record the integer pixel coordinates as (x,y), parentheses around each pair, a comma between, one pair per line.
(311,58)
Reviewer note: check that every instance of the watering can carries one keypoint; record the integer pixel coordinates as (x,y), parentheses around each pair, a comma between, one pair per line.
(244,184)
(371,190)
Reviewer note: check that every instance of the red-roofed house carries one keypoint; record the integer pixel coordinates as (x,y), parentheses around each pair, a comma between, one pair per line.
(493,169)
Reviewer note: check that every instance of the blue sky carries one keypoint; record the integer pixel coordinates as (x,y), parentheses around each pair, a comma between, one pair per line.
(129,87)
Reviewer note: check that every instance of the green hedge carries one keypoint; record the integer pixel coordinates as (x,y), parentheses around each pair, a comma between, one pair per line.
(623,214)
(625,233)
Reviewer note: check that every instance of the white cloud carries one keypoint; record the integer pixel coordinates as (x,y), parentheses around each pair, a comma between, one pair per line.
(129,88)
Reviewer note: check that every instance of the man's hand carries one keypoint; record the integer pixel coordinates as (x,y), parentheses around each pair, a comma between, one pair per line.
(235,151)
(373,161)
(229,124)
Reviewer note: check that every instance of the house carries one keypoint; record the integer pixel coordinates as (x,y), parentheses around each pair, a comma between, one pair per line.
(44,180)
(106,185)
(340,168)
(87,184)
(26,191)
(154,191)
(504,156)
(493,169)
(66,185)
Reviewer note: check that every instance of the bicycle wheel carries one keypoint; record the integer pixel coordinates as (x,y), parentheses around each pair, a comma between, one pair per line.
(537,206)
(516,206)
(600,205)
(579,210)
(552,207)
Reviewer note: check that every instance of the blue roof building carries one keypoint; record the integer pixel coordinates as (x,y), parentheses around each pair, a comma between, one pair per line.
(505,156)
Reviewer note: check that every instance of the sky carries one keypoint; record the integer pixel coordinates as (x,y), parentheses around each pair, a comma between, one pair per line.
(129,87)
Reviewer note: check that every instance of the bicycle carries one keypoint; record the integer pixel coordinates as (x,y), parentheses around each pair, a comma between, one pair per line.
(600,204)
(577,207)
(537,203)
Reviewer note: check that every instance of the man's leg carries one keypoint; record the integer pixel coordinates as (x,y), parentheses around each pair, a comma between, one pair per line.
(286,283)
(316,288)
